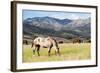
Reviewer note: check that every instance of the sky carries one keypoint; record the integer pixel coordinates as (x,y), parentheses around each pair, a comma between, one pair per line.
(55,14)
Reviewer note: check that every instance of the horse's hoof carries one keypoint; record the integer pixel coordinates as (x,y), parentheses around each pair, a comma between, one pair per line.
(38,55)
(33,55)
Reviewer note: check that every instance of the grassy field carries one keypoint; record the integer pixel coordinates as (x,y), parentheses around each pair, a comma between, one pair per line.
(68,51)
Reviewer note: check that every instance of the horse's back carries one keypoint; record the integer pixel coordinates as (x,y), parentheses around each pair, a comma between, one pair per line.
(43,42)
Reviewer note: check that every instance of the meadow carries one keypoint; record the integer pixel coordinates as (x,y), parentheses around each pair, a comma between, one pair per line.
(69,51)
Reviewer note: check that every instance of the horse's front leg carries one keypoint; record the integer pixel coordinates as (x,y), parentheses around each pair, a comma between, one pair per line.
(57,52)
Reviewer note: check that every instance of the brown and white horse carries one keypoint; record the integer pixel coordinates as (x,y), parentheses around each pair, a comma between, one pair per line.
(77,40)
(42,42)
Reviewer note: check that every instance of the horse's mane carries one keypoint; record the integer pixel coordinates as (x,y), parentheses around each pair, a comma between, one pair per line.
(56,44)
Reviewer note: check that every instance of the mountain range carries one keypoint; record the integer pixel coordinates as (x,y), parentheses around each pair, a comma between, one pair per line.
(49,26)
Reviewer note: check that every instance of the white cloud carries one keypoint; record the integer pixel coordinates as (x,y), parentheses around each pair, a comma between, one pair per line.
(59,15)
(73,16)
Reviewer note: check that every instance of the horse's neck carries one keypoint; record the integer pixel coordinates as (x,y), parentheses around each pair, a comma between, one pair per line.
(55,44)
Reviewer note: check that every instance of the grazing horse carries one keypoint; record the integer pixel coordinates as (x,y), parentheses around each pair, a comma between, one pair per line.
(77,40)
(47,42)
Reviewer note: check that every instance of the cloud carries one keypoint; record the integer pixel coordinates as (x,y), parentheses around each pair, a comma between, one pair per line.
(59,15)
(73,16)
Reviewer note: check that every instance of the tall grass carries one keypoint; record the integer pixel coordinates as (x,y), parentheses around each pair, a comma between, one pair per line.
(68,51)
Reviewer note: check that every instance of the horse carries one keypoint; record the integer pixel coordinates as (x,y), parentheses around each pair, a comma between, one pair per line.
(42,42)
(77,40)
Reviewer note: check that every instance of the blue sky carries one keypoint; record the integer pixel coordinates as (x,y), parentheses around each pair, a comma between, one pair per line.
(55,14)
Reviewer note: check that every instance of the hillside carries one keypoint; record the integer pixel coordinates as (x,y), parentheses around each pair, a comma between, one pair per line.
(49,26)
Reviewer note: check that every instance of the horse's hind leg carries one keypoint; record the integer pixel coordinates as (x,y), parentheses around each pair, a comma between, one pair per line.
(38,49)
(34,49)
